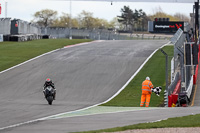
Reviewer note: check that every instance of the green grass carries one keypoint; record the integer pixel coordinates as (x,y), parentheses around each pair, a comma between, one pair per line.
(186,121)
(155,69)
(13,53)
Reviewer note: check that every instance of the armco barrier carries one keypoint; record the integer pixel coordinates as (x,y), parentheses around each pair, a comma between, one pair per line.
(173,98)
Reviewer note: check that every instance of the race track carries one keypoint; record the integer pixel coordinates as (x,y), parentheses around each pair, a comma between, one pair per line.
(84,75)
(103,121)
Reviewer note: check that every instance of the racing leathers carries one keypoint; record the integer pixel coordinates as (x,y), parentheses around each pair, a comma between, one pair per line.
(46,84)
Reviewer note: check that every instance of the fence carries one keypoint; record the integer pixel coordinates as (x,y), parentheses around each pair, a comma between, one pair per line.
(178,59)
(19,27)
(94,34)
(5,26)
(177,68)
(183,67)
(18,30)
(173,84)
(98,34)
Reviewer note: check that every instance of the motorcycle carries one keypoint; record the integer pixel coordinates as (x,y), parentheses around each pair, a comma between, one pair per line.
(49,94)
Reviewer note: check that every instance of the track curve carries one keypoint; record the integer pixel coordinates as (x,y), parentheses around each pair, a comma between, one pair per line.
(83,75)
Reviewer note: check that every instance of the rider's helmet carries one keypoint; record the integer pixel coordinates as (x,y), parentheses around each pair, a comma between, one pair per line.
(48,81)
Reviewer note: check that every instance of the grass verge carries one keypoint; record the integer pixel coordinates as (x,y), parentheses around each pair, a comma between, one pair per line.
(155,69)
(186,121)
(13,53)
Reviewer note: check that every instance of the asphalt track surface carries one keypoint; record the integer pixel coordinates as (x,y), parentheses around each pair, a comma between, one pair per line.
(84,75)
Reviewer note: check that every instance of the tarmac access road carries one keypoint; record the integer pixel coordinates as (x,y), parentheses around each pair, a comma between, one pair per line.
(84,75)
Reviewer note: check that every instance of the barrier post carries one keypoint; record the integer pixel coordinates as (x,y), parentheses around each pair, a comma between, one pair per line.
(166,71)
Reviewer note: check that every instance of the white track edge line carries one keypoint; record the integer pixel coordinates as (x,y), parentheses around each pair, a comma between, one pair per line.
(115,93)
(123,87)
(28,61)
(48,117)
(69,46)
(110,112)
(23,123)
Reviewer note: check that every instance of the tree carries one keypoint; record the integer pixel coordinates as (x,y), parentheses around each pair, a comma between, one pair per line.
(158,13)
(86,20)
(130,19)
(100,23)
(145,23)
(66,21)
(126,18)
(114,23)
(182,17)
(140,19)
(45,17)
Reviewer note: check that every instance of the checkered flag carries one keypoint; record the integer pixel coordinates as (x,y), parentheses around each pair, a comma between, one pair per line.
(157,90)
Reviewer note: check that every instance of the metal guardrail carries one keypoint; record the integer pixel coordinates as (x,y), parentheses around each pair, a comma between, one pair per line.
(178,63)
(184,73)
(176,36)
(178,41)
(173,84)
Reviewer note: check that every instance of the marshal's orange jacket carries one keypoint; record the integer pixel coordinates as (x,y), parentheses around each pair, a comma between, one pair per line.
(146,87)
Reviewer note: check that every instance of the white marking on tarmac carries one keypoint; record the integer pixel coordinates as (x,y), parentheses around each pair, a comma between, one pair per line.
(80,44)
(109,112)
(28,61)
(57,116)
(123,87)
(158,120)
(69,46)
(40,119)
(48,117)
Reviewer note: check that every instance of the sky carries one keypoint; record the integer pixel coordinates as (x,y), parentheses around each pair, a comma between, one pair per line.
(24,9)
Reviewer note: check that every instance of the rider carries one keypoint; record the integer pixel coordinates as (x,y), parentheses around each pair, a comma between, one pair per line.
(49,82)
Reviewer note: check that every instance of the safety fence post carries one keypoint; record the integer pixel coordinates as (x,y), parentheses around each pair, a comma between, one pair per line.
(166,98)
(166,77)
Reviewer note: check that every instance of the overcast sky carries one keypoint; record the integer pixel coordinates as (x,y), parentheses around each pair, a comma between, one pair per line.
(24,9)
